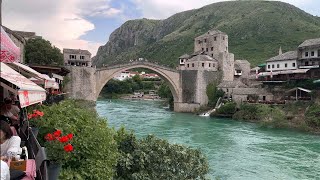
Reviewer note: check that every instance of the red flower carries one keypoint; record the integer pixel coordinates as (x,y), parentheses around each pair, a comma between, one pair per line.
(68,148)
(30,116)
(64,139)
(57,133)
(70,136)
(49,137)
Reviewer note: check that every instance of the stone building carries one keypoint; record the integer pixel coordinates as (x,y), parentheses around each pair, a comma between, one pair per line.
(303,63)
(77,57)
(309,54)
(242,69)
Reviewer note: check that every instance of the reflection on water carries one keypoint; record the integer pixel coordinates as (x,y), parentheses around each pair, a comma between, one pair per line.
(235,150)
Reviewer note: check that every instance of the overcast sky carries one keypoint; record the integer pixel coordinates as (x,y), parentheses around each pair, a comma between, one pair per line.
(87,24)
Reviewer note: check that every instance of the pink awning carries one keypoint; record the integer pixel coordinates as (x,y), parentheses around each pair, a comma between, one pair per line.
(9,51)
(29,93)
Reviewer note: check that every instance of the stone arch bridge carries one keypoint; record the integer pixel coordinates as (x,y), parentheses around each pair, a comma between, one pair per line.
(86,83)
(103,75)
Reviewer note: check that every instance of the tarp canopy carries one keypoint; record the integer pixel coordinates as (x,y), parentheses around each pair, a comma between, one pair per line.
(29,93)
(37,77)
(316,81)
(9,51)
(301,89)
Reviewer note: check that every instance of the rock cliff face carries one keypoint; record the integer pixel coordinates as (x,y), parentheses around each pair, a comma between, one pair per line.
(256,30)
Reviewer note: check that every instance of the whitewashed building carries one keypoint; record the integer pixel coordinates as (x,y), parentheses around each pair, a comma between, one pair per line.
(282,62)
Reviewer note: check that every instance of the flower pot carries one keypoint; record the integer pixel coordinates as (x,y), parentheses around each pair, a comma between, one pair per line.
(53,170)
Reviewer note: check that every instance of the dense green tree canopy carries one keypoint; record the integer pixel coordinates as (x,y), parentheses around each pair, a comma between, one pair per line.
(154,158)
(40,51)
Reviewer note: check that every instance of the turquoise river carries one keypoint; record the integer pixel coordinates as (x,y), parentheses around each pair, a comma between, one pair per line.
(235,150)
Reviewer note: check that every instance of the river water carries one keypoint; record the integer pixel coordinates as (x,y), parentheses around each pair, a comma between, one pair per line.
(235,150)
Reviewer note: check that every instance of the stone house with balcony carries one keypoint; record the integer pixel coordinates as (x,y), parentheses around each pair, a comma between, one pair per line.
(309,54)
(77,57)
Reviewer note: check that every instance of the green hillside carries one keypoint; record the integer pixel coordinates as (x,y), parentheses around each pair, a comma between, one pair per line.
(256,30)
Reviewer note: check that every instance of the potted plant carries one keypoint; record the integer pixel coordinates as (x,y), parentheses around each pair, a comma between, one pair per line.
(58,149)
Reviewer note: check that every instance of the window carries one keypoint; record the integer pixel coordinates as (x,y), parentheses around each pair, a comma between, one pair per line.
(209,64)
(278,65)
(81,57)
(306,63)
(293,64)
(215,38)
(272,66)
(181,60)
(312,53)
(72,57)
(207,49)
(239,71)
(306,54)
(213,65)
(202,64)
(202,49)
(187,65)
(192,64)
(199,42)
(269,66)
(285,65)
(205,40)
(319,53)
(223,37)
(211,48)
(212,55)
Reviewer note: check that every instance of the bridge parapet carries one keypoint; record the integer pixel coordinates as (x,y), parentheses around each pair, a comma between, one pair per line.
(135,63)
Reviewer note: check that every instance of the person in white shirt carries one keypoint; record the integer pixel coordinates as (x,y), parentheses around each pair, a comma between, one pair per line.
(10,145)
(5,173)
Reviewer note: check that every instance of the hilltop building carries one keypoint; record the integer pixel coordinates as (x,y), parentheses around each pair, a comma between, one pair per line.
(77,57)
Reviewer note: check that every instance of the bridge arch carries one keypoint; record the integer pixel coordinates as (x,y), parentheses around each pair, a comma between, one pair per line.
(171,76)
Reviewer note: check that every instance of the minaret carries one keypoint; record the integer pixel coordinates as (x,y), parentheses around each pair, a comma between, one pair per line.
(280,51)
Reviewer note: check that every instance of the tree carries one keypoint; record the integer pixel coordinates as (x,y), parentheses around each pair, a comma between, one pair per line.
(40,51)
(154,158)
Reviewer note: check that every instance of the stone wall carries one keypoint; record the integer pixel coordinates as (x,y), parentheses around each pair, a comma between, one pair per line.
(186,107)
(82,83)
(189,84)
(194,85)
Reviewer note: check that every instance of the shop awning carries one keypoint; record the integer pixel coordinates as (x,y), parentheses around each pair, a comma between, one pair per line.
(37,77)
(9,51)
(29,93)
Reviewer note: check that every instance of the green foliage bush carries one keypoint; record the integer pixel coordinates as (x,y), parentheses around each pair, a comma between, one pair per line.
(95,151)
(247,112)
(313,115)
(227,109)
(154,158)
(270,116)
(213,94)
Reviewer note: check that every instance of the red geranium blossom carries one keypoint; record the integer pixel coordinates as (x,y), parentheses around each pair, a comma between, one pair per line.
(64,139)
(70,136)
(68,148)
(49,137)
(57,133)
